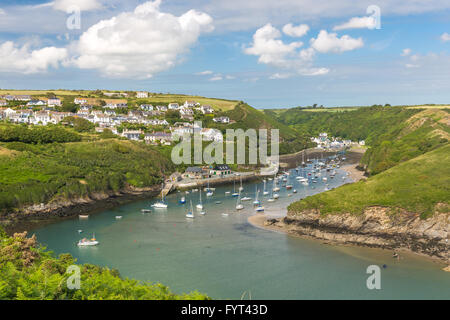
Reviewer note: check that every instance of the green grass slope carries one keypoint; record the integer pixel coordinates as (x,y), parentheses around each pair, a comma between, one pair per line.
(41,173)
(420,185)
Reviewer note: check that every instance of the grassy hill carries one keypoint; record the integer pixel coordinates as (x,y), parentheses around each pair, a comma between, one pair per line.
(41,173)
(420,185)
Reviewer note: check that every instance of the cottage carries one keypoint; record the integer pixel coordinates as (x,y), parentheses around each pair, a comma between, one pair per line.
(190,104)
(209,134)
(41,117)
(163,137)
(221,170)
(22,98)
(132,134)
(142,95)
(80,101)
(161,108)
(193,173)
(224,120)
(37,103)
(206,109)
(3,103)
(174,106)
(146,107)
(54,102)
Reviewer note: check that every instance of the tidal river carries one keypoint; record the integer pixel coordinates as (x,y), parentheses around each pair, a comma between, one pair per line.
(227,258)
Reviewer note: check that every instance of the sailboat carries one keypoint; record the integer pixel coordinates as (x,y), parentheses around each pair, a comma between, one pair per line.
(182,200)
(200,204)
(160,204)
(209,192)
(274,187)
(265,192)
(190,213)
(235,194)
(239,205)
(256,202)
(241,187)
(259,208)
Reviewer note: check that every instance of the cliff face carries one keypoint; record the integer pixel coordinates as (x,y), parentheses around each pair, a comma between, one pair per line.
(376,227)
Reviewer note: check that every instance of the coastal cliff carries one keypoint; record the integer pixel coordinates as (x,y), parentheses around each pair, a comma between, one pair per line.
(376,227)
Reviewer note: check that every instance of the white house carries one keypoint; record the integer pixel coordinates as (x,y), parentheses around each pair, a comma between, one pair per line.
(36,103)
(190,104)
(209,134)
(163,137)
(146,107)
(224,120)
(54,102)
(131,134)
(41,117)
(161,108)
(173,106)
(206,109)
(80,101)
(3,103)
(141,95)
(101,118)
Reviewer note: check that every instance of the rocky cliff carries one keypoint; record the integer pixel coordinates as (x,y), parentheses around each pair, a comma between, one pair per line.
(376,227)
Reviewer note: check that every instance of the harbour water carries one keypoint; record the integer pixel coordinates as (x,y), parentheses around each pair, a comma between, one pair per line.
(226,257)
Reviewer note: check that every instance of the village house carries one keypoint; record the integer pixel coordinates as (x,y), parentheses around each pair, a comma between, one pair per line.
(209,134)
(41,117)
(173,106)
(110,112)
(190,104)
(131,134)
(118,94)
(142,95)
(21,116)
(3,103)
(206,109)
(224,120)
(221,170)
(113,105)
(162,137)
(37,103)
(161,108)
(18,98)
(146,107)
(80,101)
(57,117)
(9,112)
(101,118)
(193,173)
(54,102)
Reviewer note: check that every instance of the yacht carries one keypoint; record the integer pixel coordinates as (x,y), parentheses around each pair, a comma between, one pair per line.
(200,204)
(190,213)
(239,205)
(86,242)
(259,209)
(183,200)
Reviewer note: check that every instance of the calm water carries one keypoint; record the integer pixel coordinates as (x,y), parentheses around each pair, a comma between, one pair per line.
(226,257)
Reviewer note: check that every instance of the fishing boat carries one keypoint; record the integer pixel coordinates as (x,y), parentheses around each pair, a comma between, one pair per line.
(182,200)
(239,205)
(200,204)
(86,242)
(190,213)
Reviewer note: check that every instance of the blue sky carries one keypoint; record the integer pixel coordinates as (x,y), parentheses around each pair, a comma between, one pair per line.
(233,50)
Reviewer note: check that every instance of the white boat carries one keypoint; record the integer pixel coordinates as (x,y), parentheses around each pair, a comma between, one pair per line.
(200,204)
(246,199)
(118,217)
(241,188)
(324,179)
(80,231)
(225,214)
(160,204)
(235,194)
(183,200)
(87,243)
(83,216)
(276,195)
(239,205)
(256,202)
(259,209)
(190,213)
(203,212)
(294,191)
(270,200)
(227,192)
(209,194)
(305,183)
(265,192)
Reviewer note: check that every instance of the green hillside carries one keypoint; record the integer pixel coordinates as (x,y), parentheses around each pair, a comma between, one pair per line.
(40,173)
(420,185)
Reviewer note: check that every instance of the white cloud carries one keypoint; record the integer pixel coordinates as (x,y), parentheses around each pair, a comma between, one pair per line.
(445,37)
(357,23)
(83,5)
(410,65)
(141,43)
(273,51)
(216,78)
(228,77)
(2,11)
(280,76)
(204,73)
(293,31)
(406,52)
(330,42)
(270,49)
(24,60)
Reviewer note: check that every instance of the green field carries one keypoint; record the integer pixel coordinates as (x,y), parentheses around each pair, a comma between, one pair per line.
(420,185)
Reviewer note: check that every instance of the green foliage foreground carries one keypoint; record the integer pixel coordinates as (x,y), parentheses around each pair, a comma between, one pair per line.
(420,185)
(28,271)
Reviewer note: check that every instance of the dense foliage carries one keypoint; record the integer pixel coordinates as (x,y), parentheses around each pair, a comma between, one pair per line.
(41,173)
(28,271)
(37,135)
